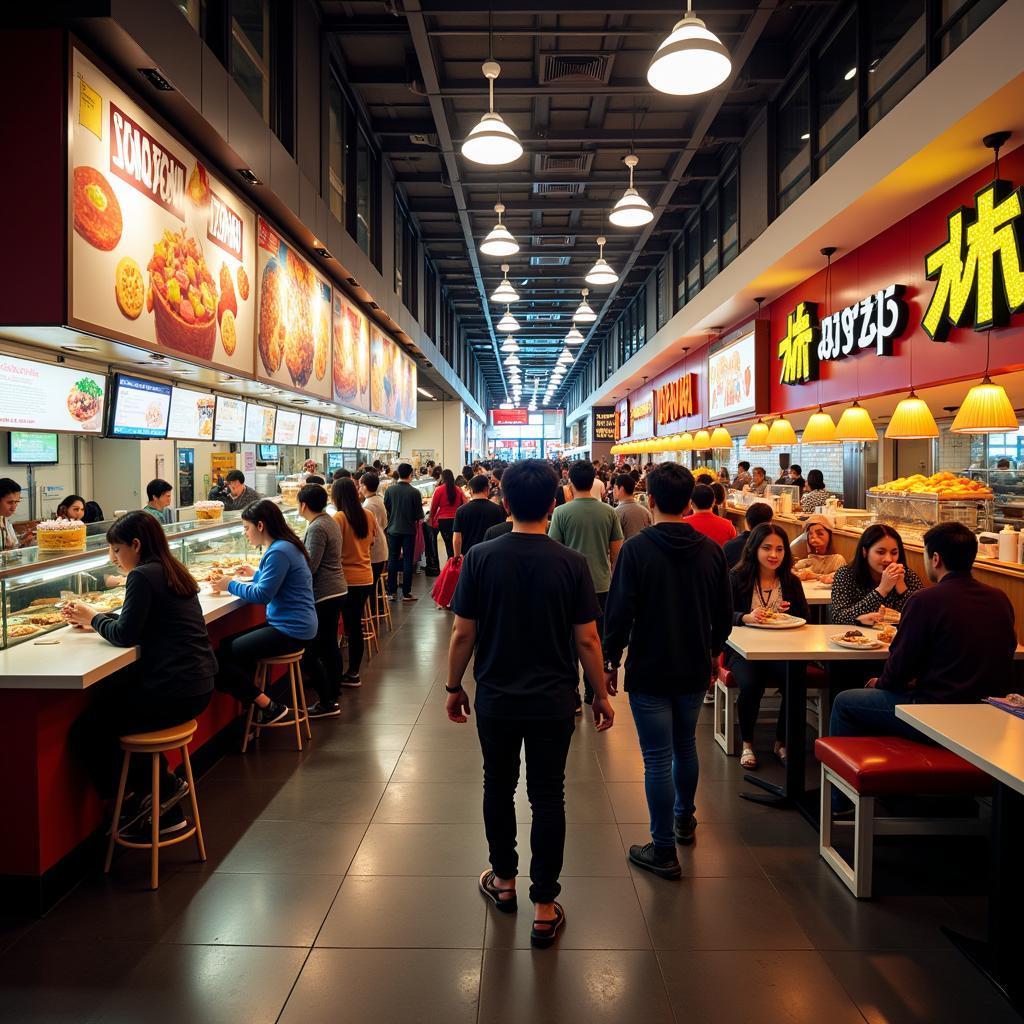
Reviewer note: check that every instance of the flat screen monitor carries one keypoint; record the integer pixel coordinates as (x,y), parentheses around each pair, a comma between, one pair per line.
(287,429)
(266,453)
(41,396)
(309,430)
(349,435)
(362,438)
(326,433)
(141,408)
(229,424)
(335,460)
(375,433)
(26,447)
(259,424)
(191,417)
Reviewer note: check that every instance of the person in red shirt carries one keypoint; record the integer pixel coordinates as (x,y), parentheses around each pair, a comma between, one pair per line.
(443,506)
(704,520)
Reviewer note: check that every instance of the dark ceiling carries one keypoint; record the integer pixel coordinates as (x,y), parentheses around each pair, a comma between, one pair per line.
(573,86)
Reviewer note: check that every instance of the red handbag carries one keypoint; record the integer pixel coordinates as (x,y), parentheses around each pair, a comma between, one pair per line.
(444,586)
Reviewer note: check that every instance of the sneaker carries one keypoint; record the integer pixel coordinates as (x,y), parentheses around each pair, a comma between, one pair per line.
(409,597)
(709,697)
(685,828)
(322,710)
(351,679)
(392,597)
(273,713)
(171,824)
(659,861)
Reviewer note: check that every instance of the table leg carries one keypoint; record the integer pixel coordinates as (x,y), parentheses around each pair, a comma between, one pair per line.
(998,956)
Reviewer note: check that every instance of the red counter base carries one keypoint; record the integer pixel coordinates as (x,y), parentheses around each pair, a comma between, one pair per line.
(53,819)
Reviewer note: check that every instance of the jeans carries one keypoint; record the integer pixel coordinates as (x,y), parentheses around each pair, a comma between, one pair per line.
(322,660)
(753,677)
(547,746)
(238,654)
(400,545)
(446,527)
(667,730)
(872,712)
(352,608)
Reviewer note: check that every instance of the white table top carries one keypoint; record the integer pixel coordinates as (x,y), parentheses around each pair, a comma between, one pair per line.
(817,594)
(79,659)
(991,739)
(805,643)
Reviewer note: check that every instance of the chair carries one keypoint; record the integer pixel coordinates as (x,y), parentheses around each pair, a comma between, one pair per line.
(155,743)
(252,725)
(381,605)
(370,635)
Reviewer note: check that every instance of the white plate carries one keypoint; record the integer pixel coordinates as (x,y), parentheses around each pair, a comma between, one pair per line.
(875,645)
(783,622)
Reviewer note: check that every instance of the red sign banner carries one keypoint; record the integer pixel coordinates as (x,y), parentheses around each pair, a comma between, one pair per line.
(509,417)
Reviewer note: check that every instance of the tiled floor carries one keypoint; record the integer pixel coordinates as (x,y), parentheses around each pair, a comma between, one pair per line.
(341,886)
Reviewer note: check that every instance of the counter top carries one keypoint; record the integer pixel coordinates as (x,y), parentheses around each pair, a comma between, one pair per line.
(70,659)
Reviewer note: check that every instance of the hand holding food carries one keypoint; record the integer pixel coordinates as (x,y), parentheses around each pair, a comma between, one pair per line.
(78,613)
(245,571)
(870,619)
(219,584)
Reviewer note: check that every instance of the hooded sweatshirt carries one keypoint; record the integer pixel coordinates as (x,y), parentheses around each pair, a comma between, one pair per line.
(671,603)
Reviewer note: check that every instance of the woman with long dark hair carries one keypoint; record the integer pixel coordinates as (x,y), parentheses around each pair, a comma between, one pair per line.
(443,505)
(358,526)
(284,583)
(877,579)
(763,585)
(170,683)
(72,507)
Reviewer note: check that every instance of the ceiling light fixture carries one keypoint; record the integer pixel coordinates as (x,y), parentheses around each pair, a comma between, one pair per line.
(632,210)
(820,429)
(721,438)
(574,337)
(600,272)
(499,242)
(508,322)
(690,60)
(491,141)
(781,432)
(855,425)
(505,294)
(512,360)
(566,356)
(584,313)
(757,438)
(510,345)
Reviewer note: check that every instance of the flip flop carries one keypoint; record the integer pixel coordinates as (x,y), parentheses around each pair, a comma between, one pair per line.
(494,894)
(543,933)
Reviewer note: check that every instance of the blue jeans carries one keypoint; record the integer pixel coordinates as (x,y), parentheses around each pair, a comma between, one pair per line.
(400,545)
(871,712)
(666,728)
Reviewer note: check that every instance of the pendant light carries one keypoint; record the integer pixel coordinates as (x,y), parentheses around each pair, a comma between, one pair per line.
(632,210)
(508,322)
(510,345)
(584,314)
(912,419)
(855,425)
(757,438)
(491,141)
(505,294)
(986,409)
(683,442)
(565,357)
(701,441)
(512,360)
(499,242)
(690,60)
(781,432)
(574,337)
(721,438)
(821,428)
(600,272)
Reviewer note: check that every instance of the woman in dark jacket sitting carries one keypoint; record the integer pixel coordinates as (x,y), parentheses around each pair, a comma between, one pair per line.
(170,683)
(763,584)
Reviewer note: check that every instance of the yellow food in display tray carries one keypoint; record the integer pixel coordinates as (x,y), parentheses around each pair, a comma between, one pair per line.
(60,535)
(212,510)
(944,486)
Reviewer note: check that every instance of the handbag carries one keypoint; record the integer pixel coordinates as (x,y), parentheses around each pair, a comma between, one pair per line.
(444,586)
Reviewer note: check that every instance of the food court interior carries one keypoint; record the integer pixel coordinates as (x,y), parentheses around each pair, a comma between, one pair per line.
(268,243)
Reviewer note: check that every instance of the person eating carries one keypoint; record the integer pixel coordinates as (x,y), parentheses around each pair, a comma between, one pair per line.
(876,583)
(821,562)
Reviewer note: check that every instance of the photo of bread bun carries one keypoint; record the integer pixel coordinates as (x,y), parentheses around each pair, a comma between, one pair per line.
(323,338)
(97,212)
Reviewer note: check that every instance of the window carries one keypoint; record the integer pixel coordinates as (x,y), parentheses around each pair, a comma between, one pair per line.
(793,144)
(709,236)
(661,296)
(250,51)
(429,300)
(837,95)
(730,219)
(895,52)
(399,241)
(338,120)
(679,273)
(692,259)
(960,18)
(640,317)
(367,202)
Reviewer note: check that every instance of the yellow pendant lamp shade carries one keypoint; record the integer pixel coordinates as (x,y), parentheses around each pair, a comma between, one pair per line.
(721,438)
(684,442)
(911,420)
(855,425)
(986,410)
(701,441)
(781,432)
(758,436)
(820,429)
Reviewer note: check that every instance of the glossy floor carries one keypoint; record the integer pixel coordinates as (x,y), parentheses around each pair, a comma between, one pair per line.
(341,886)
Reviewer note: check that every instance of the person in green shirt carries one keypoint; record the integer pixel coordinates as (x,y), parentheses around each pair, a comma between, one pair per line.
(593,529)
(158,500)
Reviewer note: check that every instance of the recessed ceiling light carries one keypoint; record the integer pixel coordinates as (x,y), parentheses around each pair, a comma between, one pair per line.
(156,79)
(248,175)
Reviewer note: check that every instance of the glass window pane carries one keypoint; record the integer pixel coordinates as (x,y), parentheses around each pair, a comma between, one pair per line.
(730,220)
(336,149)
(709,236)
(249,16)
(364,205)
(895,57)
(837,95)
(793,144)
(967,24)
(679,270)
(247,75)
(692,259)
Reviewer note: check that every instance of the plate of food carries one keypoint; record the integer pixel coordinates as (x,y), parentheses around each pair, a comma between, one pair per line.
(855,640)
(778,620)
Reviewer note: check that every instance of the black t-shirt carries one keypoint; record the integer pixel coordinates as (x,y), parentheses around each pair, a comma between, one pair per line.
(494,532)
(474,519)
(525,665)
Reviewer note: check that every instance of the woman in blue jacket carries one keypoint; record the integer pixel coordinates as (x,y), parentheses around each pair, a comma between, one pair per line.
(283,582)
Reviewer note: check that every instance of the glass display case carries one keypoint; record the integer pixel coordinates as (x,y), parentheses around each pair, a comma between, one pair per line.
(914,514)
(1007,486)
(783,498)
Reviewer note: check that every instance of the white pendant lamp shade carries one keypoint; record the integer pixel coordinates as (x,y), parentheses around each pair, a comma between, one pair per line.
(600,272)
(632,210)
(510,345)
(491,141)
(855,425)
(499,242)
(690,60)
(574,337)
(505,294)
(986,410)
(912,420)
(584,314)
(508,322)
(820,429)
(512,360)
(565,357)
(781,432)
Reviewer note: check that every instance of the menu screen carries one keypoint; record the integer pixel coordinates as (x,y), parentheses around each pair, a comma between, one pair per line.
(141,407)
(191,417)
(375,437)
(267,453)
(309,430)
(326,436)
(287,429)
(230,422)
(363,438)
(259,424)
(31,448)
(732,379)
(348,437)
(38,396)
(334,461)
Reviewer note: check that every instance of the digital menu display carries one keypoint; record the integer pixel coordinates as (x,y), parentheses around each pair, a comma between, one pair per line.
(374,437)
(326,433)
(335,460)
(267,453)
(230,422)
(259,424)
(30,448)
(141,408)
(191,417)
(349,436)
(732,379)
(309,430)
(39,396)
(362,438)
(287,429)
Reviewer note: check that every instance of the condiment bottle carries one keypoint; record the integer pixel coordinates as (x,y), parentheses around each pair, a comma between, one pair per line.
(1008,541)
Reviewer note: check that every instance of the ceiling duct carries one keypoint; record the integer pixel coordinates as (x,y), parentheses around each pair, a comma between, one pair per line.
(564,163)
(575,68)
(558,188)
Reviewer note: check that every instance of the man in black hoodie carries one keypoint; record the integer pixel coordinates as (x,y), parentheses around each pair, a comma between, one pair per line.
(671,602)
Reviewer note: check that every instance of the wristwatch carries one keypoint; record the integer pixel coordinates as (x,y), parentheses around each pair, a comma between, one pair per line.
(453,689)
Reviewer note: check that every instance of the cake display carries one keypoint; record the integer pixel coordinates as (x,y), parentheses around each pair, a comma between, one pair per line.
(209,510)
(60,535)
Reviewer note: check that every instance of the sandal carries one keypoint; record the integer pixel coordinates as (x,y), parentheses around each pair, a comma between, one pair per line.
(780,754)
(503,899)
(748,760)
(543,933)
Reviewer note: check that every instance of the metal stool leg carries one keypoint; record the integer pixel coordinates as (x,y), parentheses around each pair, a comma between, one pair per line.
(195,802)
(260,682)
(154,854)
(302,698)
(296,710)
(117,813)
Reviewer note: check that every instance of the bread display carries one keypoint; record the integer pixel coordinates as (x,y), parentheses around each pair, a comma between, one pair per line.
(944,486)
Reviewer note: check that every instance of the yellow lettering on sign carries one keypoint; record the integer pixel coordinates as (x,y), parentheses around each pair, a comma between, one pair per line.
(798,350)
(90,108)
(675,399)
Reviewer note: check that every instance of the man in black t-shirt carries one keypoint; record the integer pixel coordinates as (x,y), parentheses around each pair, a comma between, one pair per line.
(521,700)
(476,517)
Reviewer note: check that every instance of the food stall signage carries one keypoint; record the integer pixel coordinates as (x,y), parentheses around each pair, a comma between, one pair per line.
(676,399)
(604,425)
(639,410)
(977,270)
(509,417)
(622,420)
(798,350)
(225,226)
(136,157)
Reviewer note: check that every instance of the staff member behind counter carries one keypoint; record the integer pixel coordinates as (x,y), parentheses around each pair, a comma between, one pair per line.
(10,498)
(158,500)
(239,496)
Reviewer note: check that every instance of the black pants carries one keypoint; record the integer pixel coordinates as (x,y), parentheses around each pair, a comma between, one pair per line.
(122,708)
(238,654)
(400,546)
(322,662)
(587,688)
(446,527)
(353,605)
(430,549)
(547,746)
(753,677)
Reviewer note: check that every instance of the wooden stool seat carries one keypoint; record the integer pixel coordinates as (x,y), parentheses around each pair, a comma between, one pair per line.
(253,726)
(155,743)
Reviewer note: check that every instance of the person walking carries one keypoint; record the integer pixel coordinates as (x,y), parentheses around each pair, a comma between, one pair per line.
(633,517)
(358,526)
(475,517)
(525,702)
(445,502)
(404,506)
(706,520)
(671,604)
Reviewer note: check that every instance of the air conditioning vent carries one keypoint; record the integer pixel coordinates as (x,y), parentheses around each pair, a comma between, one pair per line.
(575,68)
(558,188)
(564,163)
(549,261)
(554,241)
(537,318)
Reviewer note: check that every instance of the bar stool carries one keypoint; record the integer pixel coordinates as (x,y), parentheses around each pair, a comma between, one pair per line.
(298,698)
(155,743)
(381,605)
(370,636)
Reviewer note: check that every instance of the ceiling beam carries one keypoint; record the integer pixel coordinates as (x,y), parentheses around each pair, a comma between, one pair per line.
(670,7)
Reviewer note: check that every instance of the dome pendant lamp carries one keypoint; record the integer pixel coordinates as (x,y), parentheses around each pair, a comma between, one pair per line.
(574,337)
(510,345)
(508,322)
(986,410)
(499,242)
(820,429)
(855,425)
(721,438)
(758,436)
(584,314)
(491,141)
(690,60)
(600,272)
(781,432)
(912,420)
(505,294)
(632,210)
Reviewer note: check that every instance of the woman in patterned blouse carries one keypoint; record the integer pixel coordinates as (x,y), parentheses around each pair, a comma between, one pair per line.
(816,495)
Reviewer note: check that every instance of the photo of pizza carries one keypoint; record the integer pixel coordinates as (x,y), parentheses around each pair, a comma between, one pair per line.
(323,340)
(96,209)
(85,402)
(344,361)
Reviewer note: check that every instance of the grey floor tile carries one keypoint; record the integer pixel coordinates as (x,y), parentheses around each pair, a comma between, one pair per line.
(320,800)
(389,986)
(292,848)
(431,803)
(717,852)
(590,851)
(359,736)
(421,850)
(459,767)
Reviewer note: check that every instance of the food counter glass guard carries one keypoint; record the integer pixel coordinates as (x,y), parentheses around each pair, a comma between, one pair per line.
(33,584)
